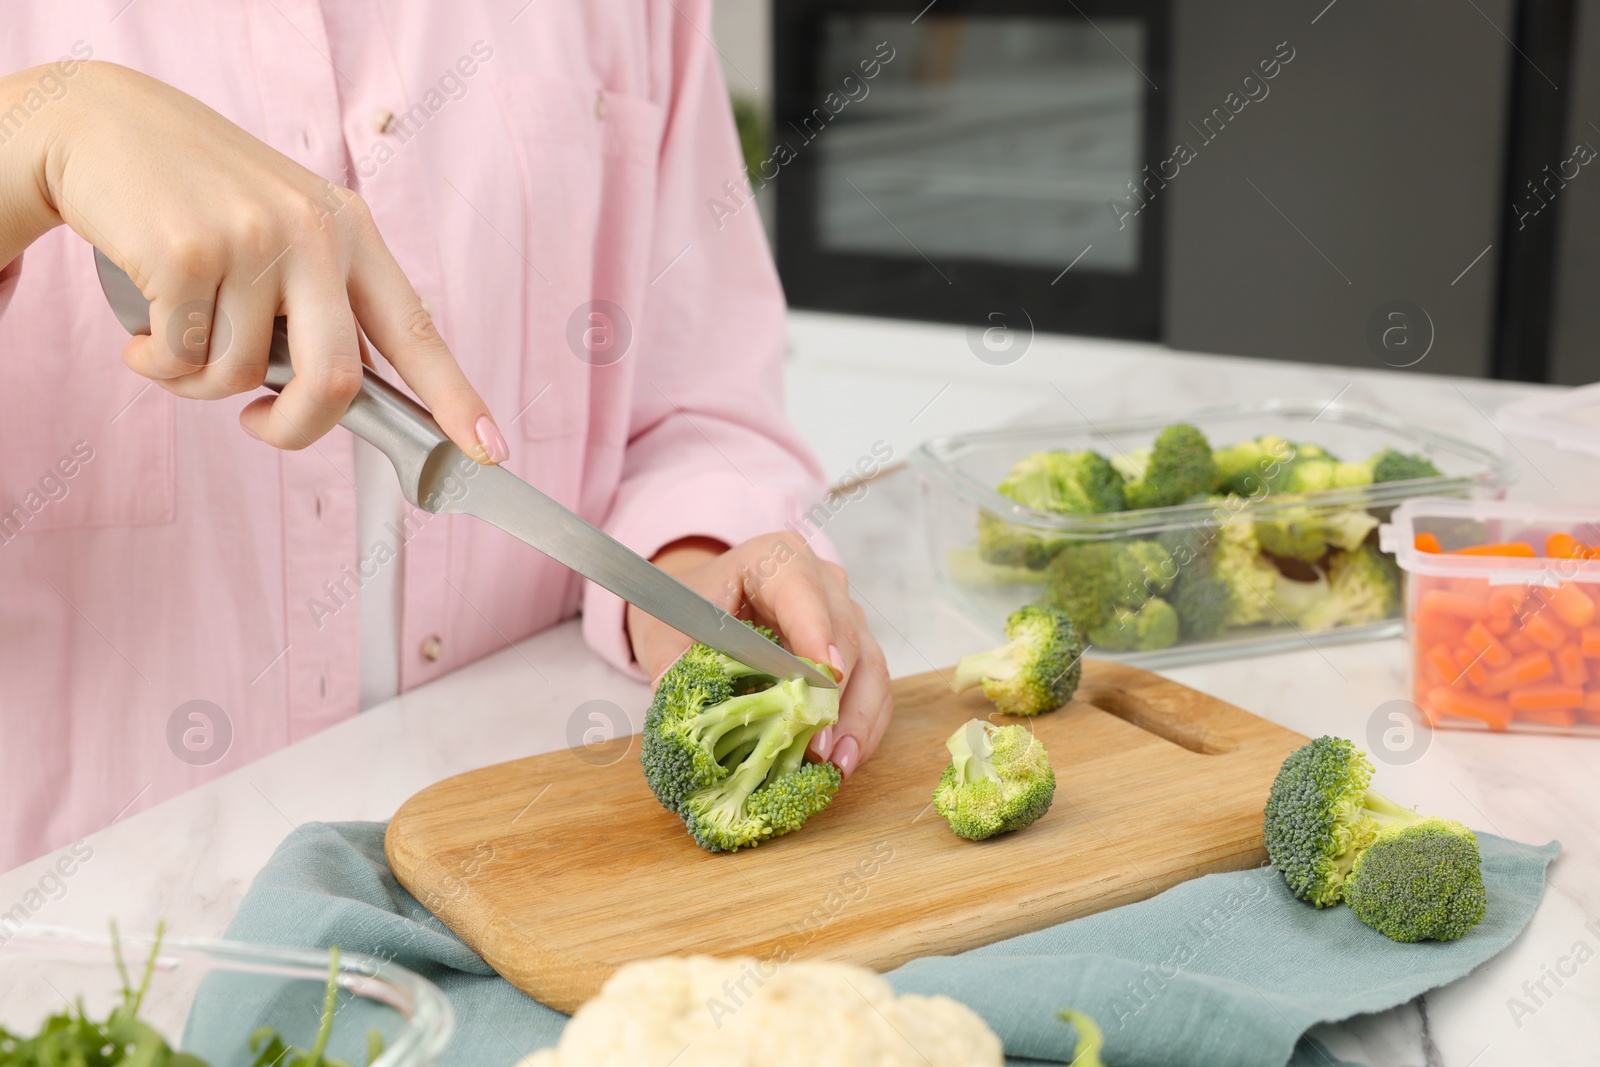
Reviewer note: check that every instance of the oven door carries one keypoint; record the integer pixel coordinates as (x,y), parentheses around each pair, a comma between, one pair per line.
(959,161)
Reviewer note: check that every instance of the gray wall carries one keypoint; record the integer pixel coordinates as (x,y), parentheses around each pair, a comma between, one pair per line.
(1575,332)
(1380,141)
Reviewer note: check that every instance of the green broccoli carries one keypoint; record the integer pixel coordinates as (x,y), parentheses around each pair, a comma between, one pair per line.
(999,779)
(1035,671)
(1063,483)
(1420,879)
(1145,629)
(1089,580)
(1363,587)
(1307,533)
(1317,474)
(1223,579)
(1090,1039)
(1174,468)
(1248,467)
(1323,822)
(1390,465)
(724,748)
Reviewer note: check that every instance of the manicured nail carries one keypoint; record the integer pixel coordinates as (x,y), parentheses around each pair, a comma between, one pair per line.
(494,445)
(845,754)
(822,742)
(836,659)
(246,428)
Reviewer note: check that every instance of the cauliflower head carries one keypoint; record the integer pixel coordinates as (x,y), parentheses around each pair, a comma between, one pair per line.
(704,1012)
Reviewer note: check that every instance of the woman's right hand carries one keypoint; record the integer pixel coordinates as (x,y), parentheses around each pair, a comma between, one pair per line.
(209,221)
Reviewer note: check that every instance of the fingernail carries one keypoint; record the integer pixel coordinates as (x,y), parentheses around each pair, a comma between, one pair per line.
(822,742)
(489,436)
(836,659)
(246,428)
(845,754)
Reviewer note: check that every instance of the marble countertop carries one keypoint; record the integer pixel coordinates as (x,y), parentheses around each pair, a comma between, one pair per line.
(856,382)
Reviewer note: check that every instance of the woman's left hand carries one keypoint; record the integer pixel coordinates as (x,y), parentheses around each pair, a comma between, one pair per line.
(776,580)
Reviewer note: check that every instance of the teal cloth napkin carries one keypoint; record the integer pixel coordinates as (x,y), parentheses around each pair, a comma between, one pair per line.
(1228,970)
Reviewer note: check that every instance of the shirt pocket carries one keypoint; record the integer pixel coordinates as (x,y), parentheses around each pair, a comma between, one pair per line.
(588,161)
(85,442)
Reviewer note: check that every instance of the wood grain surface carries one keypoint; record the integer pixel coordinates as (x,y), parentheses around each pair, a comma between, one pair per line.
(559,868)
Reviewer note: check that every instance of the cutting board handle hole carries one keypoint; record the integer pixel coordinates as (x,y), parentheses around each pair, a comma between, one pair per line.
(1184,730)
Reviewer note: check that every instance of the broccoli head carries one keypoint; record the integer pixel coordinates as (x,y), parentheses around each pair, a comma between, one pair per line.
(1317,474)
(1223,578)
(1035,671)
(1152,626)
(1064,483)
(724,749)
(1408,876)
(1174,468)
(1390,465)
(1248,467)
(999,779)
(1307,533)
(1089,580)
(1420,879)
(1363,587)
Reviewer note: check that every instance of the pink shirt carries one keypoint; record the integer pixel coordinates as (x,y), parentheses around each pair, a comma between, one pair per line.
(540,156)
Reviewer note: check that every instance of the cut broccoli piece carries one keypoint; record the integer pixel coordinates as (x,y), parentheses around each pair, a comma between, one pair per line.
(1363,587)
(1035,671)
(724,749)
(999,779)
(1390,465)
(1223,578)
(1064,483)
(1420,876)
(1317,474)
(1174,468)
(1089,580)
(1248,467)
(1090,1039)
(1420,879)
(1145,629)
(1308,533)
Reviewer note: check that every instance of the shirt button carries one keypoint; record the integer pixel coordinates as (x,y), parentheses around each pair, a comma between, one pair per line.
(432,648)
(383,120)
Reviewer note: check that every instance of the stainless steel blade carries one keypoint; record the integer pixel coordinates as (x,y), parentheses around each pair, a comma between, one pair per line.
(500,498)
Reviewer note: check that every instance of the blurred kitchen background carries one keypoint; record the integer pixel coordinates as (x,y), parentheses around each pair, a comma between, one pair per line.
(1402,184)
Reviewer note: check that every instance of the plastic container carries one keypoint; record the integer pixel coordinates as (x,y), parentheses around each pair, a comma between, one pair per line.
(43,968)
(1501,642)
(959,476)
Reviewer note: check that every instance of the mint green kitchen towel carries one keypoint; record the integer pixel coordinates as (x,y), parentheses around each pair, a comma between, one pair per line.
(1228,970)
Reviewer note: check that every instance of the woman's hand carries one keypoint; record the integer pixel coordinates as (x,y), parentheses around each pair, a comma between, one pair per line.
(222,233)
(778,581)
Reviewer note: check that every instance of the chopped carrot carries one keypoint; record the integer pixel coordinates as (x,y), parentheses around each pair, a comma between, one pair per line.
(1524,670)
(1470,666)
(1590,709)
(1570,665)
(1544,631)
(1427,542)
(1550,695)
(1458,604)
(1519,642)
(1506,600)
(1501,548)
(1432,627)
(1499,625)
(1547,716)
(1464,704)
(1589,640)
(1480,642)
(1442,663)
(1571,604)
(1564,546)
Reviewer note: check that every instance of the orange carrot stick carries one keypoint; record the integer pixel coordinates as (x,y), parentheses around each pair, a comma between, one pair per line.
(1502,548)
(1470,666)
(1524,670)
(1442,663)
(1564,546)
(1464,704)
(1461,605)
(1589,641)
(1507,600)
(1544,631)
(1499,625)
(1427,542)
(1519,643)
(1550,695)
(1480,642)
(1431,627)
(1590,709)
(1570,665)
(1560,717)
(1570,603)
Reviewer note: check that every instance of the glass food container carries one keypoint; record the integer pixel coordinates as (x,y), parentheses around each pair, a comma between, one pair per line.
(205,997)
(1500,641)
(959,475)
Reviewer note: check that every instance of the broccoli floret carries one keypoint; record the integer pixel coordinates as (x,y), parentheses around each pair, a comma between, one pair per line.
(1174,468)
(1226,580)
(1317,821)
(724,749)
(1089,580)
(1248,467)
(1363,587)
(1308,533)
(1390,465)
(999,779)
(1035,671)
(1090,1039)
(1064,483)
(1420,879)
(1318,474)
(1145,629)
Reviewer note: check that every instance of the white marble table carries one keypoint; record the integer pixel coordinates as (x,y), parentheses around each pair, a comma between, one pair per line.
(854,382)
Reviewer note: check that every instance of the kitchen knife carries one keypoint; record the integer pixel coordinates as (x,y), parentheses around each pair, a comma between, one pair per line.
(438,477)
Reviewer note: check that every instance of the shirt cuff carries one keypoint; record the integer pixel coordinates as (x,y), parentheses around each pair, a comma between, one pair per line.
(720,506)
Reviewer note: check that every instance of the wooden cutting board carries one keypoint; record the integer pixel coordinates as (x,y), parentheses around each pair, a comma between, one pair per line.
(559,868)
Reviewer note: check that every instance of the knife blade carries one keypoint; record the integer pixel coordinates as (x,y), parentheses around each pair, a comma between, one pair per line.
(437,476)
